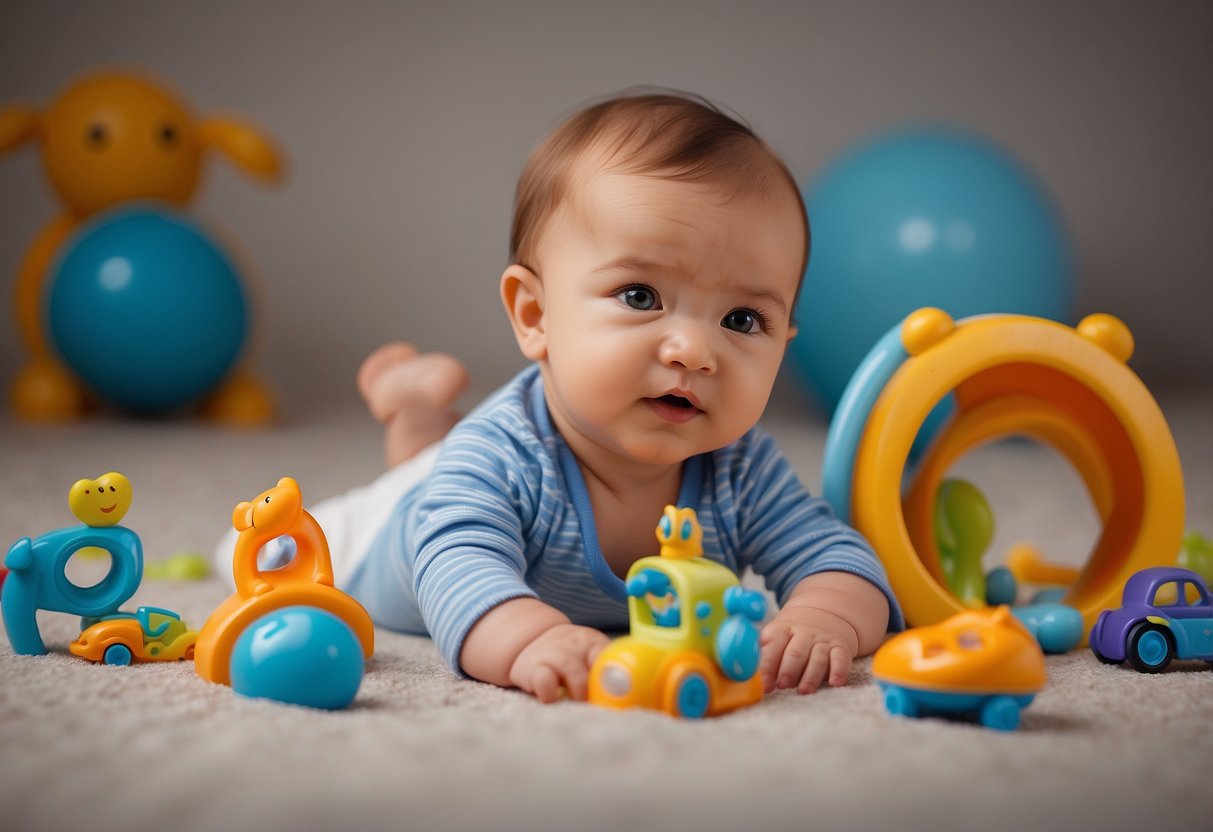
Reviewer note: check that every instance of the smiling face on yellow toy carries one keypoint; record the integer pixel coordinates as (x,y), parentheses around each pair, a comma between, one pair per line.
(112,137)
(100,502)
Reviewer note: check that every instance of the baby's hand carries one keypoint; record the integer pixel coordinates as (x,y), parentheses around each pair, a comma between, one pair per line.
(804,646)
(558,658)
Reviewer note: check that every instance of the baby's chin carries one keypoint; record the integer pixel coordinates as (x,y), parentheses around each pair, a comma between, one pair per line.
(668,450)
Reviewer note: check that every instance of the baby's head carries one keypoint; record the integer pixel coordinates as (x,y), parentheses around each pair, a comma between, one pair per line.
(658,247)
(663,135)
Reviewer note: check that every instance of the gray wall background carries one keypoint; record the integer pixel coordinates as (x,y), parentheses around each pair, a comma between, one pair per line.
(406,125)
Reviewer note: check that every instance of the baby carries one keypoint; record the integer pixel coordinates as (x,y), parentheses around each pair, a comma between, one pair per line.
(656,257)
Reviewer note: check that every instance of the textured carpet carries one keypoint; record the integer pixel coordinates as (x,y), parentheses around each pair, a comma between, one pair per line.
(153,747)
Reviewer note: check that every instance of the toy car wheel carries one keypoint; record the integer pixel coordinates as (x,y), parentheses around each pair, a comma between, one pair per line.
(1000,713)
(118,654)
(692,695)
(899,703)
(1150,648)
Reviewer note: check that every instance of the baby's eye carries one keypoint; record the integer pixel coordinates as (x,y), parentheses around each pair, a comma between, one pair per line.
(743,320)
(640,297)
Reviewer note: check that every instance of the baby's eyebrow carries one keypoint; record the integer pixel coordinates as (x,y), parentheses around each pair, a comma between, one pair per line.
(757,293)
(628,263)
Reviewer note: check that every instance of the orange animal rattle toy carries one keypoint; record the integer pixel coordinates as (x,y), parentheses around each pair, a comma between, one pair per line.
(307,581)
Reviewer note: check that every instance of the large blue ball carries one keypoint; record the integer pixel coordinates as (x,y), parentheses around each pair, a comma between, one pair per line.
(298,655)
(146,309)
(931,217)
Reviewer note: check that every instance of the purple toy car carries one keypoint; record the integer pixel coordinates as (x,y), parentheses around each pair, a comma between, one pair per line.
(1165,614)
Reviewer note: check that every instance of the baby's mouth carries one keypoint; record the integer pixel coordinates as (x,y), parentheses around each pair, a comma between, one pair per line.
(674,408)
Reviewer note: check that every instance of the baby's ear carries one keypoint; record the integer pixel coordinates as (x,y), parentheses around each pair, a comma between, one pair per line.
(522,294)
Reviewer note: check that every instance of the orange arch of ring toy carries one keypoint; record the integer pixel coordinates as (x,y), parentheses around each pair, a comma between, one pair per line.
(987,422)
(306,581)
(1091,406)
(217,640)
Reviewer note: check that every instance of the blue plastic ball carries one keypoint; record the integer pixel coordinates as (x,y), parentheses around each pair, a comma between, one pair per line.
(930,217)
(145,309)
(1001,587)
(298,655)
(1056,627)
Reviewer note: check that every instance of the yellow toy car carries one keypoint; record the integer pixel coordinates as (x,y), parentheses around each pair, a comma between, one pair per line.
(150,634)
(693,647)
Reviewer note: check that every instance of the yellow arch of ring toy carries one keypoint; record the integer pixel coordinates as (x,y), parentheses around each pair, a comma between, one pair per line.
(1017,374)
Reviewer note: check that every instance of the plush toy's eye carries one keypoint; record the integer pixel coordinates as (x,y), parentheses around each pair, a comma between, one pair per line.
(267,499)
(665,527)
(686,529)
(168,135)
(112,488)
(96,136)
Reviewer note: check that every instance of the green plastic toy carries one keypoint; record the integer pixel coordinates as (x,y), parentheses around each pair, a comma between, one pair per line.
(183,566)
(1197,554)
(964,527)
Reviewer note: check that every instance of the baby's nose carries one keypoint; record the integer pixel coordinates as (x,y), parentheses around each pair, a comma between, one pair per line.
(688,347)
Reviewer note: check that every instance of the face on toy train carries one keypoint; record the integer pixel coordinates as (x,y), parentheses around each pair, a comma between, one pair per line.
(111,138)
(100,502)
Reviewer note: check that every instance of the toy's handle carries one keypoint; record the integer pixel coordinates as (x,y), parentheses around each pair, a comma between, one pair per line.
(737,642)
(737,648)
(745,602)
(20,555)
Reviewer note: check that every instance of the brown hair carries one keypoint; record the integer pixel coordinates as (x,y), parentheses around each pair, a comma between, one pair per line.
(674,135)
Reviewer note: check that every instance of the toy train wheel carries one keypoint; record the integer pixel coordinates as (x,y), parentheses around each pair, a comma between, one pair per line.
(1000,713)
(1150,648)
(691,695)
(117,654)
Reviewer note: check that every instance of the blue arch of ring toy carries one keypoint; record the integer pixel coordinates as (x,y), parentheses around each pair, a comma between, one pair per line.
(851,419)
(37,580)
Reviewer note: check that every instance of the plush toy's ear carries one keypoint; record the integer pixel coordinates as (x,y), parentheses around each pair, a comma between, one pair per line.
(244,146)
(18,124)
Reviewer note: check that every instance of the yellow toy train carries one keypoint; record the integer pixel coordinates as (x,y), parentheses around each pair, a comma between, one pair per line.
(693,645)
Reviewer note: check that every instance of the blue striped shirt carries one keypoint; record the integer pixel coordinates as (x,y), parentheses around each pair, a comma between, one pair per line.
(505,514)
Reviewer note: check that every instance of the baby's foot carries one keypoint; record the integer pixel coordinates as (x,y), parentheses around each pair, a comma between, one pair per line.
(413,394)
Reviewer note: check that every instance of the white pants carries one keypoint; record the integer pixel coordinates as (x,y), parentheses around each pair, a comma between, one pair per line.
(350,521)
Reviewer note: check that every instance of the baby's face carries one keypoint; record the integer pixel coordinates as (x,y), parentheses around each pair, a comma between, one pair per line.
(667,310)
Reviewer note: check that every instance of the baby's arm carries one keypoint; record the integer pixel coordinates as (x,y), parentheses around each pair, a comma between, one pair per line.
(836,600)
(829,619)
(527,644)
